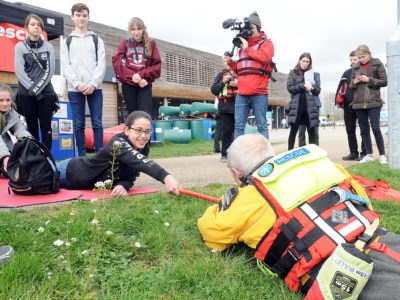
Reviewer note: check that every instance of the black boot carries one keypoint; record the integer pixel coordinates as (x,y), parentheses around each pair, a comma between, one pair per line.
(351,156)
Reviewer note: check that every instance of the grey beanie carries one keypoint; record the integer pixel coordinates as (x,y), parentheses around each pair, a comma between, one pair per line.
(255,19)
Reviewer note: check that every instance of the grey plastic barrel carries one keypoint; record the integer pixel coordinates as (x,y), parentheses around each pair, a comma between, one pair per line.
(250,129)
(198,129)
(179,136)
(165,111)
(198,108)
(185,109)
(180,124)
(160,126)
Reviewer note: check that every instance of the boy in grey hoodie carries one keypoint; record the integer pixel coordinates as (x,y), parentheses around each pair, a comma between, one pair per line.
(84,65)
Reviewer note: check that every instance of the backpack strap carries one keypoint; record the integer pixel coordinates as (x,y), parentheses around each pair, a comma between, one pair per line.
(95,38)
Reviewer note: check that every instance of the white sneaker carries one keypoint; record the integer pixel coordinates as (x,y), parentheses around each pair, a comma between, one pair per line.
(367,158)
(383,160)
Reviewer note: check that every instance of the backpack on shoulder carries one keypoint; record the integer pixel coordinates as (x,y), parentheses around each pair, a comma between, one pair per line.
(32,169)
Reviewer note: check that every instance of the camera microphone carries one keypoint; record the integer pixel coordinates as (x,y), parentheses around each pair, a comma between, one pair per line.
(228,23)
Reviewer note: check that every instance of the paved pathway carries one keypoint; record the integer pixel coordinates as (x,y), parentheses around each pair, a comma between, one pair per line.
(201,170)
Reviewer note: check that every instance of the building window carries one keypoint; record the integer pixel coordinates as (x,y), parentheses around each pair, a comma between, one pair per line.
(186,70)
(207,73)
(171,68)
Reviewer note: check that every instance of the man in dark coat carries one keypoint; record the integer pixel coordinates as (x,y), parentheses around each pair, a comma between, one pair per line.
(350,116)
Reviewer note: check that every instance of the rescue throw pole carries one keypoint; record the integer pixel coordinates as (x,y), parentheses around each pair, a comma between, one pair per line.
(198,195)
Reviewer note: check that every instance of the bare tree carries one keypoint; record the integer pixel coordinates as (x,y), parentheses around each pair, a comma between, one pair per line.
(329,108)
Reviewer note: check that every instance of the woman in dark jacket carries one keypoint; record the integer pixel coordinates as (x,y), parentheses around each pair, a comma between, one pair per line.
(303,108)
(34,67)
(225,87)
(367,77)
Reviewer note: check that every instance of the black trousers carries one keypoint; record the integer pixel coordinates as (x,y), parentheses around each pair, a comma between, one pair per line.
(350,119)
(137,98)
(228,128)
(38,112)
(313,135)
(218,131)
(365,117)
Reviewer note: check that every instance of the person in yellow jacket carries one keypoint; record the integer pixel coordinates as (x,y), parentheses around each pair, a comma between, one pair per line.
(243,215)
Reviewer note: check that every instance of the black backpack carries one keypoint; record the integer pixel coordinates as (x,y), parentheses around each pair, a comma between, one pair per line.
(32,169)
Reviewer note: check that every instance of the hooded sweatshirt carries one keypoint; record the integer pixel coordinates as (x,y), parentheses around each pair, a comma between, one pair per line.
(79,63)
(135,59)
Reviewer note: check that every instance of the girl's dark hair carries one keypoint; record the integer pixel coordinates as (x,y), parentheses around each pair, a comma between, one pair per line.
(133,116)
(298,70)
(36,17)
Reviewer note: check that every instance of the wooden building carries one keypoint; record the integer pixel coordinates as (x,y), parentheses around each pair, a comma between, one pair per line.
(187,75)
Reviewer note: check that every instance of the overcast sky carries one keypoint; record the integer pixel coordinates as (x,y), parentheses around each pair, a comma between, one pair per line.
(329,30)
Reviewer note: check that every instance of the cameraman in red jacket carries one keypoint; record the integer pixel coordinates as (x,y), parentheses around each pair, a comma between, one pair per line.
(253,68)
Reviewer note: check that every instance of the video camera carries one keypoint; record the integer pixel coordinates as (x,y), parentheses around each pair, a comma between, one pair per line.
(244,30)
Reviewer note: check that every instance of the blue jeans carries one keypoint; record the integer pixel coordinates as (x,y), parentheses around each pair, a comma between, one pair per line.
(95,102)
(62,167)
(259,104)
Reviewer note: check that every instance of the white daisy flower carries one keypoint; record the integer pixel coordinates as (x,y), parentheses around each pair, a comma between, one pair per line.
(41,229)
(84,252)
(49,274)
(58,243)
(156,212)
(214,250)
(74,239)
(99,185)
(47,222)
(69,221)
(61,257)
(91,275)
(94,222)
(94,210)
(72,214)
(137,245)
(117,145)
(166,224)
(93,200)
(108,232)
(67,244)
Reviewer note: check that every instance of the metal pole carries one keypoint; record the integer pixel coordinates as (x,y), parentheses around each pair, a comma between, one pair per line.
(393,66)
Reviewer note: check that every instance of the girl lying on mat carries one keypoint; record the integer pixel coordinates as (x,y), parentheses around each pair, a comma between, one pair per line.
(9,122)
(128,150)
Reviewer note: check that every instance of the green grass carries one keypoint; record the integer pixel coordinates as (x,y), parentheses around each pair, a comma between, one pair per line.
(172,262)
(170,149)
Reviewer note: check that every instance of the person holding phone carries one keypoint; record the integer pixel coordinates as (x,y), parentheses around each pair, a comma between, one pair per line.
(368,76)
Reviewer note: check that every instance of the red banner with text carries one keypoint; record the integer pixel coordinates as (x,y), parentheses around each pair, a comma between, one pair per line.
(10,35)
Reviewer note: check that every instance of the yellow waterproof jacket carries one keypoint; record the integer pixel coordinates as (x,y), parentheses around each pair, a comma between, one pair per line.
(246,220)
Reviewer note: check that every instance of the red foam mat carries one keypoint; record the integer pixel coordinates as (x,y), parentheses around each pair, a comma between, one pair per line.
(13,200)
